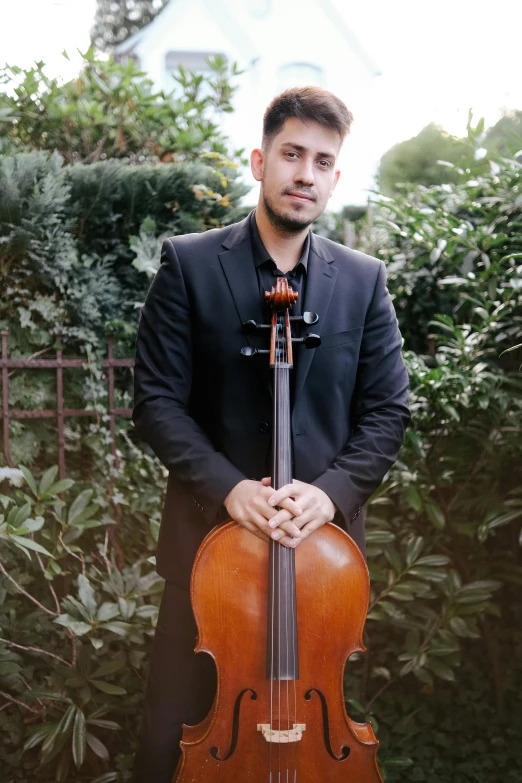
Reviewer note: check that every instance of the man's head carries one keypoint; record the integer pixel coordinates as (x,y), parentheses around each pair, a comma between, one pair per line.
(303,130)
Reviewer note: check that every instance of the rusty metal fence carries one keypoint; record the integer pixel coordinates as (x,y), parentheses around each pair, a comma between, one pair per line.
(60,413)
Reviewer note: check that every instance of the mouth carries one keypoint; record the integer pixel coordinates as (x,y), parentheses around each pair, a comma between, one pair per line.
(300,196)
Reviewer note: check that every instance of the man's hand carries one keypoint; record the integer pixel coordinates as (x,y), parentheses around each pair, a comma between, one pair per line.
(247,504)
(317,509)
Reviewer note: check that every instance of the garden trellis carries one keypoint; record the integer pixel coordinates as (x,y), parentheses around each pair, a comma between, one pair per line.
(60,413)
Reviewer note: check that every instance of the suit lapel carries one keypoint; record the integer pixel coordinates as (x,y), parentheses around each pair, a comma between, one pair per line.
(320,284)
(238,265)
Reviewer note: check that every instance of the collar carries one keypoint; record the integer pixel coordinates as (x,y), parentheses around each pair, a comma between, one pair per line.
(261,254)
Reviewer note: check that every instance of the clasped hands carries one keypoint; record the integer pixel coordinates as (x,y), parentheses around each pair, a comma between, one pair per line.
(287,515)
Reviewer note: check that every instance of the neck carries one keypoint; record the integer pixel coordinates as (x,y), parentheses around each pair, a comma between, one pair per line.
(284,247)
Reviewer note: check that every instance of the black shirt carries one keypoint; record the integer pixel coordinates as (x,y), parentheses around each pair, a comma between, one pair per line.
(267,274)
(267,270)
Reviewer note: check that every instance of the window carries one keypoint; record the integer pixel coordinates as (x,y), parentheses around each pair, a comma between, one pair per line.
(300,75)
(193,61)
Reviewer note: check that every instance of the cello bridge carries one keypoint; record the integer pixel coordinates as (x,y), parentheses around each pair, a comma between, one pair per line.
(283,735)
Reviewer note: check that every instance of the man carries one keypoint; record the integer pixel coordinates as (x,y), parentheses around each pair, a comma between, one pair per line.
(206,410)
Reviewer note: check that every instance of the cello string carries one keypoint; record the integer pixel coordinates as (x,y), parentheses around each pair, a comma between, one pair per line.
(279,546)
(286,554)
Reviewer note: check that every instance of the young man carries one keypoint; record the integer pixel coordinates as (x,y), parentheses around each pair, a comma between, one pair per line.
(206,410)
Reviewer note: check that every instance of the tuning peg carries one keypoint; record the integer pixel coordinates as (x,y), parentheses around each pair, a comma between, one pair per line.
(249,351)
(249,327)
(311,340)
(307,317)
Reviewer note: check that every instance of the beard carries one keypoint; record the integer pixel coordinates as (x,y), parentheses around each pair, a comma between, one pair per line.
(286,222)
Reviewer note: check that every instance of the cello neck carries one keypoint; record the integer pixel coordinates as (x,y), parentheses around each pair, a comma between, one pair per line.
(282,659)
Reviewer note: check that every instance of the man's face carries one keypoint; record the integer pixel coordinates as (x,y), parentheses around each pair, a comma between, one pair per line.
(297,173)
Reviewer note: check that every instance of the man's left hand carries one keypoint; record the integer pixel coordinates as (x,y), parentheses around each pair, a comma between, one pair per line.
(317,507)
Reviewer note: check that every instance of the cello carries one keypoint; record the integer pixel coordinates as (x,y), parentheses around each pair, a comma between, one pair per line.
(280,624)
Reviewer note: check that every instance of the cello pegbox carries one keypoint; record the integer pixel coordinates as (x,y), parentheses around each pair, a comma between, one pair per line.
(281,297)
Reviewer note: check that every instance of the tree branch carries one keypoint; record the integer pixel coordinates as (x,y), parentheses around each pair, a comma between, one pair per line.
(27,595)
(35,649)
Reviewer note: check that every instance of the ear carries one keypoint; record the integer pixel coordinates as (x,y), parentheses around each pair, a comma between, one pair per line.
(257,158)
(336,180)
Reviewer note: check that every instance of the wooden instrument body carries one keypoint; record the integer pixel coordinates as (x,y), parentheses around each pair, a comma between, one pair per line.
(229,592)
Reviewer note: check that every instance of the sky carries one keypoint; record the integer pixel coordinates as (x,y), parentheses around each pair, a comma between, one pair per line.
(437,59)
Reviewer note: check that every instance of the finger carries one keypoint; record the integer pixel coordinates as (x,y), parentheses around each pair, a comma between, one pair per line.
(282,519)
(289,490)
(267,481)
(286,528)
(309,528)
(287,510)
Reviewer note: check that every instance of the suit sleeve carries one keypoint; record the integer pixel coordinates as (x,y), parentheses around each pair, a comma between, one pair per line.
(380,410)
(162,386)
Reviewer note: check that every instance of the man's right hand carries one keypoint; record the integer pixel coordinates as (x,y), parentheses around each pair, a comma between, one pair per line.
(247,504)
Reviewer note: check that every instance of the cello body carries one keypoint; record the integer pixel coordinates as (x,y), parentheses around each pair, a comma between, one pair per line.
(230,595)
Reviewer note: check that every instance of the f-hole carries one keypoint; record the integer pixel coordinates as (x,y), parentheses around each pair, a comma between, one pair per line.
(235,727)
(345,750)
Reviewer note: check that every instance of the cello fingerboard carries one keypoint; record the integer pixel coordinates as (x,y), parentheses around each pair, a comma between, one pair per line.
(282,653)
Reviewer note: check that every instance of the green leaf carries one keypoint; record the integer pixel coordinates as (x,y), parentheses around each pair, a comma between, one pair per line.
(435,515)
(18,515)
(413,497)
(78,627)
(117,627)
(87,596)
(106,687)
(31,526)
(28,543)
(104,724)
(60,486)
(38,736)
(9,667)
(441,670)
(109,667)
(379,537)
(107,611)
(30,480)
(413,549)
(79,739)
(47,480)
(433,560)
(79,505)
(97,747)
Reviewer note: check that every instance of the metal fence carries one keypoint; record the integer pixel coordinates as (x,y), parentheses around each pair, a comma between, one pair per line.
(60,413)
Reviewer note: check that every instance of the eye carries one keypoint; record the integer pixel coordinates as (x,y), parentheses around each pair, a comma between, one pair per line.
(291,153)
(325,164)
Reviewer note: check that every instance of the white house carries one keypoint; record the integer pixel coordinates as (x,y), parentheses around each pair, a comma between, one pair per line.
(278,44)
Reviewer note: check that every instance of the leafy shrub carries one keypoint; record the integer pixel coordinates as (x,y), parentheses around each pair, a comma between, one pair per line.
(111,111)
(75,628)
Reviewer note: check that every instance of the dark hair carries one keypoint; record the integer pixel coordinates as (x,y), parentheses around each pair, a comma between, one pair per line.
(306,103)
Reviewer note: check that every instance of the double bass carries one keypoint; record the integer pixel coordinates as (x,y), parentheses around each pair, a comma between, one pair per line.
(280,624)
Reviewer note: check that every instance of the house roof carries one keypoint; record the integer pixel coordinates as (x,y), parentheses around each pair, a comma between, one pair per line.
(240,38)
(219,11)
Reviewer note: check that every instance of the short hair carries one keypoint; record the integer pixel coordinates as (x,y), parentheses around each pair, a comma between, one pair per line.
(306,103)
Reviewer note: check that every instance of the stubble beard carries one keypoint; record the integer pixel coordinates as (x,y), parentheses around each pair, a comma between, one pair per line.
(285,223)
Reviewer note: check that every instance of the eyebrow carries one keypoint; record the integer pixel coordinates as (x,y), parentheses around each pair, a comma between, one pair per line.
(300,148)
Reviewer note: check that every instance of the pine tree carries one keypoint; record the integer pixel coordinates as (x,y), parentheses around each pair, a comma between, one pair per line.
(117,20)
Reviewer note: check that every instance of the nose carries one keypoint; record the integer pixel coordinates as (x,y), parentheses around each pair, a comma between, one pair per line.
(305,172)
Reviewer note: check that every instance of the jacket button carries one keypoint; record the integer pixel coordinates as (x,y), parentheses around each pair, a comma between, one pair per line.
(264,426)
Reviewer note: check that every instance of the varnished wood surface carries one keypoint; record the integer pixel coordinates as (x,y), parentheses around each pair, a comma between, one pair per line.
(230,596)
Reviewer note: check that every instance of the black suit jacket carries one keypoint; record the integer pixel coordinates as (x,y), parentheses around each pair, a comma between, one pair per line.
(206,410)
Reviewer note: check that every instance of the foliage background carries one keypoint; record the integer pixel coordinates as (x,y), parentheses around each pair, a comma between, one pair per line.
(81,224)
